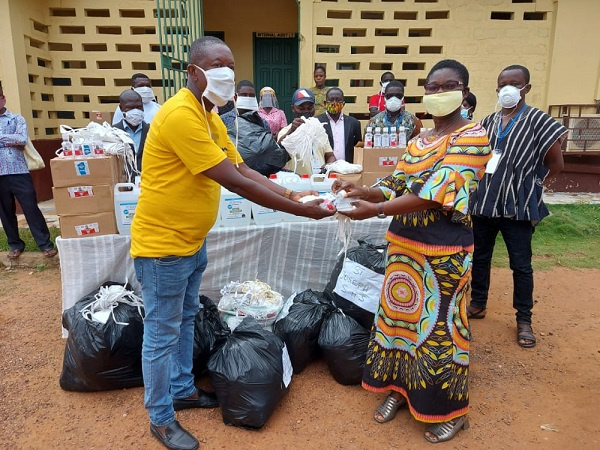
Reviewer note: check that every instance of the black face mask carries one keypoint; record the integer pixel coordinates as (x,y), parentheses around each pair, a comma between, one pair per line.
(305,115)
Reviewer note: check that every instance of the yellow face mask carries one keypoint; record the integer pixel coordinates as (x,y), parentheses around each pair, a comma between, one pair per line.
(444,103)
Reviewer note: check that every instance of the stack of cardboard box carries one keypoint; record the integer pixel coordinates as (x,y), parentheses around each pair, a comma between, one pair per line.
(377,163)
(83,194)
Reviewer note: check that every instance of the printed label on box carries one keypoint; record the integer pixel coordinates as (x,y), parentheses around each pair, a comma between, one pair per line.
(359,285)
(80,191)
(82,168)
(387,161)
(127,211)
(89,228)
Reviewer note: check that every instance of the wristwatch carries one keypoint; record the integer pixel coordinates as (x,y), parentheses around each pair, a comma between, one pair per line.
(380,212)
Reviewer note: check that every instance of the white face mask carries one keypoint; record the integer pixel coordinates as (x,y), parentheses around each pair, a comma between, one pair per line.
(146,93)
(134,117)
(384,85)
(509,96)
(394,104)
(247,103)
(444,103)
(220,85)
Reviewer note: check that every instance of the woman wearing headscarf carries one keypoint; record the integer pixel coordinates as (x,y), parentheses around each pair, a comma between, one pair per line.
(268,109)
(419,347)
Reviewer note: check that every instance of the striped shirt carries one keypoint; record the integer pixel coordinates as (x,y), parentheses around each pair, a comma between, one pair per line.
(13,137)
(515,189)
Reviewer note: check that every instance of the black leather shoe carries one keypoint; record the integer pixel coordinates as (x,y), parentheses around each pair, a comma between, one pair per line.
(204,400)
(176,437)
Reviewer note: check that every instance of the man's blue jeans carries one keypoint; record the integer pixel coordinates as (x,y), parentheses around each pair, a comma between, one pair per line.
(170,288)
(517,236)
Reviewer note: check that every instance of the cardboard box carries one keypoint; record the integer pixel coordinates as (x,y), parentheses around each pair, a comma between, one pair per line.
(86,171)
(351,177)
(101,117)
(370,178)
(87,225)
(377,159)
(76,200)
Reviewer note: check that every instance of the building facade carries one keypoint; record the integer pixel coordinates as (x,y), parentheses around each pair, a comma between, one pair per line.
(63,59)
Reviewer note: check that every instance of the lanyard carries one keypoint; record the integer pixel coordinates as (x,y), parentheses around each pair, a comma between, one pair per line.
(398,120)
(503,133)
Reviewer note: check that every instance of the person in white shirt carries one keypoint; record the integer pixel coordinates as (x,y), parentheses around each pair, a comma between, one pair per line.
(141,84)
(344,131)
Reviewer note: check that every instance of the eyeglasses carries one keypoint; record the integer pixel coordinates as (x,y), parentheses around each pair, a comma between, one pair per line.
(432,88)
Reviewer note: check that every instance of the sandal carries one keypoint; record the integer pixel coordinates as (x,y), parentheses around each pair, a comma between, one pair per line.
(475,313)
(50,253)
(14,254)
(525,336)
(446,430)
(388,409)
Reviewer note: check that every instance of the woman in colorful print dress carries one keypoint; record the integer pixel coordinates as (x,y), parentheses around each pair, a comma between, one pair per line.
(419,348)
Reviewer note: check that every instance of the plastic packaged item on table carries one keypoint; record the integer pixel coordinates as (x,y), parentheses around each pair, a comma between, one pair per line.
(103,356)
(234,210)
(250,373)
(357,279)
(126,200)
(250,298)
(210,334)
(344,343)
(299,328)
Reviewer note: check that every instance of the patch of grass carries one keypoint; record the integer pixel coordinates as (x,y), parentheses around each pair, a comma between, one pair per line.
(568,238)
(30,245)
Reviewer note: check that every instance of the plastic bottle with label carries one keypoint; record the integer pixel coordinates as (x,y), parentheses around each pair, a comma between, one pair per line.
(87,144)
(263,215)
(393,137)
(369,138)
(385,137)
(322,183)
(234,210)
(377,138)
(66,145)
(126,197)
(296,183)
(401,137)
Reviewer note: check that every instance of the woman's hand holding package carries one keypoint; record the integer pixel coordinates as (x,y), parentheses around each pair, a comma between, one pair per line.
(362,210)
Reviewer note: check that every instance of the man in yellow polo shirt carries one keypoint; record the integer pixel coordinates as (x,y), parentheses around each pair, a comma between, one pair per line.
(186,157)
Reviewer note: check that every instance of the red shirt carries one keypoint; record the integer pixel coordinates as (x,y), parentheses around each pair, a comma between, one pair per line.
(377,101)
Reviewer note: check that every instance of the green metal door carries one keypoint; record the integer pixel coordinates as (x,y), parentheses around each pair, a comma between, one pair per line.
(276,65)
(179,24)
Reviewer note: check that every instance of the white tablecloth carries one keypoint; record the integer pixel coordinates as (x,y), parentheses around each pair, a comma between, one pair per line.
(290,256)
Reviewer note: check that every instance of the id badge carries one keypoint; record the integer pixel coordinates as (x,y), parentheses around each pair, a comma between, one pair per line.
(316,166)
(492,164)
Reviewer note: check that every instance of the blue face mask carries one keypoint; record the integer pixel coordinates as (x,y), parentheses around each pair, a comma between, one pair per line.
(464,113)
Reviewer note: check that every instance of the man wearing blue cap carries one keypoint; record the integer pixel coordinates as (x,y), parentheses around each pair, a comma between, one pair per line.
(303,107)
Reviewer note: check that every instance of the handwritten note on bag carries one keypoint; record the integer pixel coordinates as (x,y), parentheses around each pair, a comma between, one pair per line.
(359,285)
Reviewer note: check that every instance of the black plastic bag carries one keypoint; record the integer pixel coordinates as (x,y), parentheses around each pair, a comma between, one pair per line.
(300,328)
(210,333)
(370,255)
(101,357)
(248,376)
(344,345)
(256,144)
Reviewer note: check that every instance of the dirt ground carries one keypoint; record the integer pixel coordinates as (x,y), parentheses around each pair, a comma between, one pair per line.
(544,398)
